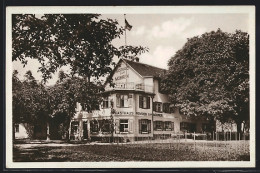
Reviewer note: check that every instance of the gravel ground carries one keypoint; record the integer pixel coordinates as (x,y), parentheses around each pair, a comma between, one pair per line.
(141,151)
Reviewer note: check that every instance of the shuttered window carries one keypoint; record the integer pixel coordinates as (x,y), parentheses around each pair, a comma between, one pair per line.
(166,107)
(123,100)
(124,125)
(144,126)
(144,102)
(157,106)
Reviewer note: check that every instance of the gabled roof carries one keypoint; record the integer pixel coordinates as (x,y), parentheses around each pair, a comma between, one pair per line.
(144,69)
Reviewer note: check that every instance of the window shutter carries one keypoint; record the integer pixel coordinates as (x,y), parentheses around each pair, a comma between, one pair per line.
(130,99)
(148,102)
(108,102)
(164,107)
(140,126)
(172,126)
(140,101)
(117,100)
(149,126)
(131,126)
(163,125)
(117,125)
(154,106)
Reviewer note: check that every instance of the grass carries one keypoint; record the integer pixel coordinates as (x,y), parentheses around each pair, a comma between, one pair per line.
(133,152)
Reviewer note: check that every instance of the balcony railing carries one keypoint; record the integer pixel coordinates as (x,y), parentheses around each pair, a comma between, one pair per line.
(132,86)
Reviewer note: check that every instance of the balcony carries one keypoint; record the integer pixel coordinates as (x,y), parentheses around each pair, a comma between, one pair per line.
(131,86)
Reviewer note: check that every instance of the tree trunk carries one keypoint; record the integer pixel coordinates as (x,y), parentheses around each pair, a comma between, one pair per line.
(13,132)
(238,129)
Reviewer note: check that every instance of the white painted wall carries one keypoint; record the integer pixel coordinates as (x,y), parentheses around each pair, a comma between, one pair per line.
(22,132)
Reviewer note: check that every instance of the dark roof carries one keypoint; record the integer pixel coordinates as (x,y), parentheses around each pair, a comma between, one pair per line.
(144,69)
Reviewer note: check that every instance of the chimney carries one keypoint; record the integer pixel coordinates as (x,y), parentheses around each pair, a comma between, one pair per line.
(136,59)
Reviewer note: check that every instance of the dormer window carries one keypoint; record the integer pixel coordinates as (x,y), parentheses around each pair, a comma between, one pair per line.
(157,106)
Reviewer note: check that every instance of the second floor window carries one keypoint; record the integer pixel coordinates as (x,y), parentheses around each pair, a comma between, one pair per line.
(144,102)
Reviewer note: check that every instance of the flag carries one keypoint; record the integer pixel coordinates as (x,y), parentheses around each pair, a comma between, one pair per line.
(127,26)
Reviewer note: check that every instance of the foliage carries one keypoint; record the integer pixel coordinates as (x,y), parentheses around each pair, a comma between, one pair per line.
(30,99)
(210,76)
(81,41)
(67,92)
(131,52)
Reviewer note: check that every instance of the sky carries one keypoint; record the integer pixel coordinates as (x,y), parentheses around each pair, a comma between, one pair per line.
(163,34)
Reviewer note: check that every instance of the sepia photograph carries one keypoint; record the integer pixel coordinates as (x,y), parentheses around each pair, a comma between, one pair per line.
(130,87)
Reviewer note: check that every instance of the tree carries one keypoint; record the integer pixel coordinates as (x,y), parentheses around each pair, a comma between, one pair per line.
(81,41)
(30,101)
(209,77)
(67,92)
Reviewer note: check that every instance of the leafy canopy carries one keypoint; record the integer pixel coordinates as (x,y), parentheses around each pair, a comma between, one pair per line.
(81,41)
(210,76)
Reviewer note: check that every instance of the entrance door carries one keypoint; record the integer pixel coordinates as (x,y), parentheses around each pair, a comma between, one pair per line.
(85,130)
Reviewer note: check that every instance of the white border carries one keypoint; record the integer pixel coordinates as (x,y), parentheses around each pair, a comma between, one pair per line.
(130,10)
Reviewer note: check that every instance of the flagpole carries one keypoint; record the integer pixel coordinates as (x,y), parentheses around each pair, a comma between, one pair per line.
(125,30)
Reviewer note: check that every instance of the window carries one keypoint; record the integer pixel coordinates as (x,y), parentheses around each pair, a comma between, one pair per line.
(16,128)
(105,125)
(157,106)
(94,126)
(74,127)
(168,125)
(123,125)
(144,102)
(189,127)
(105,103)
(144,126)
(207,127)
(123,101)
(166,107)
(158,125)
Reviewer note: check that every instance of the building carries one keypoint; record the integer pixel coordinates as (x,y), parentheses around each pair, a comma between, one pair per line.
(133,108)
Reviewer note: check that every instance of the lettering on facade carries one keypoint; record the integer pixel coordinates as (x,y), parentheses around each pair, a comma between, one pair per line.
(122,77)
(148,114)
(125,113)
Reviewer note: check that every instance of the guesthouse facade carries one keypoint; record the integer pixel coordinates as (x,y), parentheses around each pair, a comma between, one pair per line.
(133,108)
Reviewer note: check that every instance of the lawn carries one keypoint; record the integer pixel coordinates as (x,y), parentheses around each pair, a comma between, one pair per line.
(182,151)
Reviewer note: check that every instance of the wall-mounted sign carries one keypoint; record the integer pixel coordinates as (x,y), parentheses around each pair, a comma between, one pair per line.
(124,113)
(122,77)
(148,114)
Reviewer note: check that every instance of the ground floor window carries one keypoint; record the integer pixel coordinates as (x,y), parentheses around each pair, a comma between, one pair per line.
(188,127)
(94,127)
(16,128)
(158,125)
(106,125)
(144,126)
(207,127)
(169,125)
(124,125)
(74,127)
